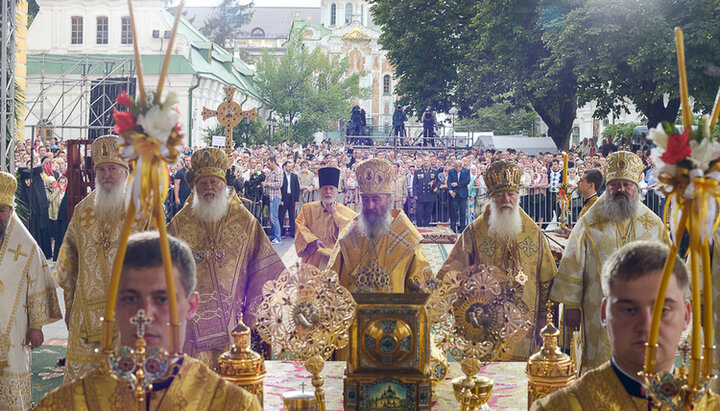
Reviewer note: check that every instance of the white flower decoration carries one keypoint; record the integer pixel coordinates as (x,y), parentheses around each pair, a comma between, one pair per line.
(704,152)
(659,136)
(158,123)
(661,166)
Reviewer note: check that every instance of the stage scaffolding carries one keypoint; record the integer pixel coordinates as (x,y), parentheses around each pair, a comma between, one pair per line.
(75,92)
(7,80)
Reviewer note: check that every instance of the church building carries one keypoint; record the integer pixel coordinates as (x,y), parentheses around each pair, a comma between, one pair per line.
(346,29)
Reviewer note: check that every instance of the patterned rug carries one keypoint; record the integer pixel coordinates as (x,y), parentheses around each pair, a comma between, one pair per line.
(437,235)
(436,254)
(46,376)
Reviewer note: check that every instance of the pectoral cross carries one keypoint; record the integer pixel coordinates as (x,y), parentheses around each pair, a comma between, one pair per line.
(140,320)
(17,252)
(229,114)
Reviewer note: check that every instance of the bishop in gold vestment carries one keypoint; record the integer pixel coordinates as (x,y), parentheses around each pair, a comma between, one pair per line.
(27,301)
(513,242)
(617,218)
(319,223)
(379,251)
(233,255)
(87,254)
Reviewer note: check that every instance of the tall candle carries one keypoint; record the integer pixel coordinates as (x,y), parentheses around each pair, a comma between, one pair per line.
(565,168)
(136,47)
(684,94)
(168,53)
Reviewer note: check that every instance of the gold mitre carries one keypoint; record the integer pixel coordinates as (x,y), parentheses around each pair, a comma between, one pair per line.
(104,149)
(502,175)
(209,161)
(8,185)
(375,176)
(623,165)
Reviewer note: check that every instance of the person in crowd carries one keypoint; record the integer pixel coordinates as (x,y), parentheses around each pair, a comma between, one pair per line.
(274,184)
(290,194)
(458,181)
(398,122)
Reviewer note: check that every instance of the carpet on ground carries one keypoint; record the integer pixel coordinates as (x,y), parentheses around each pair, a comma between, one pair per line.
(46,375)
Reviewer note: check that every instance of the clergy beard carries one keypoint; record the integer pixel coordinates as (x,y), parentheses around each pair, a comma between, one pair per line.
(109,201)
(619,209)
(502,223)
(3,231)
(210,211)
(374,226)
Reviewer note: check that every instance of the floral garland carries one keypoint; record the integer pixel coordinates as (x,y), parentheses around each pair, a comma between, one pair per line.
(149,135)
(687,167)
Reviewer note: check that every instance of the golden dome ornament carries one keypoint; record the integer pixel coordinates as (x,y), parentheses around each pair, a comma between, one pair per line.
(474,313)
(242,366)
(549,369)
(305,315)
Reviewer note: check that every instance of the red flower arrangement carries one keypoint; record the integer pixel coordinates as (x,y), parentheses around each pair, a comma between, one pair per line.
(678,148)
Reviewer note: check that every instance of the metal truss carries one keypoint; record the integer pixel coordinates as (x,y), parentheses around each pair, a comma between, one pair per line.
(7,80)
(68,93)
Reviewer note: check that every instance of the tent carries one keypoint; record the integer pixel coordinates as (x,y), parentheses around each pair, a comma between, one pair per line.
(528,145)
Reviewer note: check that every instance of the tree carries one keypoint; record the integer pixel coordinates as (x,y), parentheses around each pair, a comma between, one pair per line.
(424,40)
(619,131)
(309,90)
(256,132)
(624,51)
(502,119)
(225,23)
(467,52)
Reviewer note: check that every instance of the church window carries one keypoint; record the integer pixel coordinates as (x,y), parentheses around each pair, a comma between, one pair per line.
(76,33)
(257,32)
(386,84)
(348,13)
(126,31)
(102,30)
(333,14)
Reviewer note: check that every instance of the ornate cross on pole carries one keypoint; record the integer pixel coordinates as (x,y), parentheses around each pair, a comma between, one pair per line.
(140,320)
(229,114)
(17,252)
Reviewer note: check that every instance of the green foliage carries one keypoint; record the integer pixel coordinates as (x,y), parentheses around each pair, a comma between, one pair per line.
(256,132)
(619,131)
(226,22)
(625,51)
(467,52)
(425,40)
(503,119)
(307,89)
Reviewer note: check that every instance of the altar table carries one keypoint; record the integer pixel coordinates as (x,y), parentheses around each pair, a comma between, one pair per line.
(509,391)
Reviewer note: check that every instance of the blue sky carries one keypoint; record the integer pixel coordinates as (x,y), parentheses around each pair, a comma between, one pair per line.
(259,3)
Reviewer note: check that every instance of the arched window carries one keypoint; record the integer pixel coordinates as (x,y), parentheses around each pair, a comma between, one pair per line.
(257,32)
(333,14)
(348,13)
(386,84)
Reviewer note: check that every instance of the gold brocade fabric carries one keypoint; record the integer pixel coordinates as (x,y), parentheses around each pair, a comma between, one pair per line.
(234,260)
(83,271)
(715,273)
(393,263)
(314,223)
(577,284)
(587,206)
(27,300)
(600,388)
(194,387)
(529,253)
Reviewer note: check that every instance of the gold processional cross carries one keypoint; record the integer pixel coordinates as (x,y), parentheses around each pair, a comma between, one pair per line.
(229,114)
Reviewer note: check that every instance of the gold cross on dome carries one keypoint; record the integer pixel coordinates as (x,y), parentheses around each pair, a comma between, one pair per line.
(17,252)
(229,114)
(140,320)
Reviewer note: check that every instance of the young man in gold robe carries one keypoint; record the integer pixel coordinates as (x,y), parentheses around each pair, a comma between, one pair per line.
(505,237)
(234,257)
(319,223)
(617,218)
(192,385)
(28,300)
(87,255)
(630,281)
(379,251)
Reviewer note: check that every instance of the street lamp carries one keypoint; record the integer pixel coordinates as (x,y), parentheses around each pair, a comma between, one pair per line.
(271,127)
(247,131)
(286,122)
(453,111)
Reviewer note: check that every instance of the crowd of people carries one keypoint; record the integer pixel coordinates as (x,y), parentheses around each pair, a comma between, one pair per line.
(426,187)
